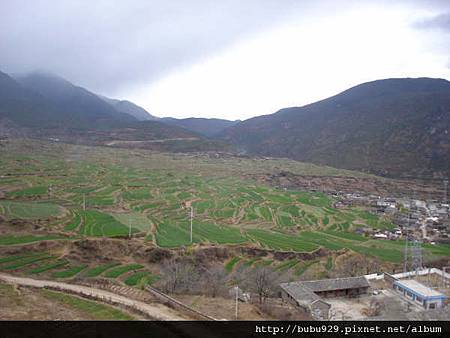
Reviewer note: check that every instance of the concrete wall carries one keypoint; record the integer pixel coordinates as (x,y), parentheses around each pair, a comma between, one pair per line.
(389,279)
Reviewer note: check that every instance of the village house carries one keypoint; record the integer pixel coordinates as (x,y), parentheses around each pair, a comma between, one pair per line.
(307,295)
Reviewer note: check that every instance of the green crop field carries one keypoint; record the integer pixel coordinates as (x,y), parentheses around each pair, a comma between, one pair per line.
(28,210)
(98,270)
(101,192)
(47,267)
(280,241)
(98,311)
(96,223)
(25,261)
(120,270)
(13,240)
(141,278)
(135,219)
(231,263)
(33,191)
(71,272)
(75,222)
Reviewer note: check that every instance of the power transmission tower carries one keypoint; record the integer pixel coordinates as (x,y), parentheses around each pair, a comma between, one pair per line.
(405,266)
(413,255)
(416,255)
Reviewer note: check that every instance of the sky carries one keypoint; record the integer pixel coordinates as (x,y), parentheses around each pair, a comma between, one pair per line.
(229,59)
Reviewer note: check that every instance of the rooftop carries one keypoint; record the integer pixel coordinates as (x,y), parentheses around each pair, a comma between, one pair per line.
(304,291)
(336,284)
(419,288)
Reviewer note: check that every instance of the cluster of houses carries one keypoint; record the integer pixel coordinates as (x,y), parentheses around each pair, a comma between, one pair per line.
(427,220)
(311,296)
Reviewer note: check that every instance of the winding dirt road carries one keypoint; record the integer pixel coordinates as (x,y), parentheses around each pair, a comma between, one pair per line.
(155,311)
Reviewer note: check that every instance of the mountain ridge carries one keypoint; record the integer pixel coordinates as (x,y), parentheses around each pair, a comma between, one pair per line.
(390,127)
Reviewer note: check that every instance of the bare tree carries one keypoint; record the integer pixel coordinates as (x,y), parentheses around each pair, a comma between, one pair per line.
(262,281)
(214,281)
(354,265)
(177,276)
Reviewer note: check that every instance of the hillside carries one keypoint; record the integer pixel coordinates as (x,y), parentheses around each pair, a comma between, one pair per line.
(24,107)
(45,106)
(129,108)
(203,126)
(74,104)
(392,127)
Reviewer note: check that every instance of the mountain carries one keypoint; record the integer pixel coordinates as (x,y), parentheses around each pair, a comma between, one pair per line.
(20,106)
(203,126)
(129,108)
(393,127)
(74,104)
(41,105)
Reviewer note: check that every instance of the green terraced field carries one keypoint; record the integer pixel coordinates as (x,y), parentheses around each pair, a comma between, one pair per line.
(231,263)
(279,241)
(28,210)
(302,267)
(98,270)
(25,239)
(289,264)
(25,261)
(97,310)
(70,272)
(47,267)
(33,191)
(135,219)
(141,278)
(99,224)
(120,270)
(75,223)
(150,190)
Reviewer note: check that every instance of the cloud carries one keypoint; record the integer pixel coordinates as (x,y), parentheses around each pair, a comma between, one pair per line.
(441,22)
(108,45)
(228,58)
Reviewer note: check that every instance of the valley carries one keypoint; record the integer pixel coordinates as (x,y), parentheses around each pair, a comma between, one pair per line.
(88,214)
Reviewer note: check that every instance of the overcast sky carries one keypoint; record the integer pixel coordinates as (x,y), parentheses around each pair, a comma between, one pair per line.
(229,59)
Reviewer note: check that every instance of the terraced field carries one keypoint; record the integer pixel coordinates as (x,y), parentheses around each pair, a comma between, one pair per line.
(25,239)
(96,223)
(100,192)
(50,266)
(28,210)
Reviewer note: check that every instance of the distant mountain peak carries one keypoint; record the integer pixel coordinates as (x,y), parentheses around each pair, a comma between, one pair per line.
(130,108)
(393,127)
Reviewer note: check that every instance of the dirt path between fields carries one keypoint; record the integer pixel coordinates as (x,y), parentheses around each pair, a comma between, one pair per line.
(155,311)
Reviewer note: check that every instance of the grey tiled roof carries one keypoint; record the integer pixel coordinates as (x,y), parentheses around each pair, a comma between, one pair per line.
(336,284)
(303,292)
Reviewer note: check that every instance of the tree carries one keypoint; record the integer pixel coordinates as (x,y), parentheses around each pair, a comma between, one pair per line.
(177,276)
(352,266)
(263,282)
(214,281)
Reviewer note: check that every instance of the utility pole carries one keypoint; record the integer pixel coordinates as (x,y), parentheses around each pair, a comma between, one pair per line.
(237,301)
(445,191)
(84,202)
(192,216)
(129,227)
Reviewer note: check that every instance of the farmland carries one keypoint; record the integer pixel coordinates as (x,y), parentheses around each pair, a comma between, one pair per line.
(77,192)
(50,266)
